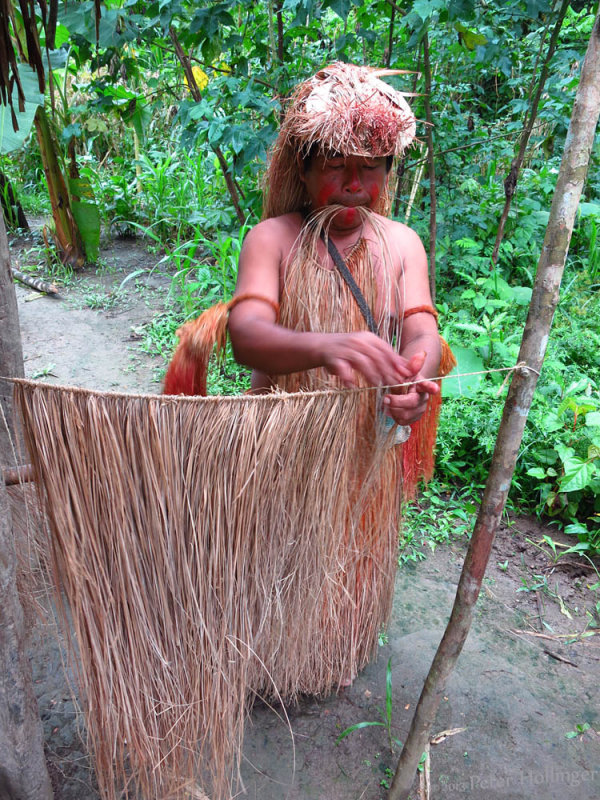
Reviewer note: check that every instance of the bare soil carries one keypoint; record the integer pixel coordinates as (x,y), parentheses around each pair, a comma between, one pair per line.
(527,677)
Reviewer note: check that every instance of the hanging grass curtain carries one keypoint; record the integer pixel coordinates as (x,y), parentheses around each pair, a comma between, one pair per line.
(207,551)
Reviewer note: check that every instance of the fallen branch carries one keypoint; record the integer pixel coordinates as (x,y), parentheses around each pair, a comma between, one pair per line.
(560,658)
(34,283)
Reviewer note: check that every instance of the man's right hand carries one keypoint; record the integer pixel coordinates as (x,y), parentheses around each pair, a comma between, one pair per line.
(345,354)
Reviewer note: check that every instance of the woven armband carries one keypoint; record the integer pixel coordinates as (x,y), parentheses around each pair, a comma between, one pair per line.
(420,309)
(249,296)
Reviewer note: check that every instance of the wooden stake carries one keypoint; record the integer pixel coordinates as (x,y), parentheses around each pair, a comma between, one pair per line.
(568,190)
(17,475)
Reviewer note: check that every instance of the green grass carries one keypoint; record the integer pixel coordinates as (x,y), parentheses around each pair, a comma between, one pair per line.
(439,515)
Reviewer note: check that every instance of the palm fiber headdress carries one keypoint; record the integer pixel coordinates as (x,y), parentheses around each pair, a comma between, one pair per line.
(342,109)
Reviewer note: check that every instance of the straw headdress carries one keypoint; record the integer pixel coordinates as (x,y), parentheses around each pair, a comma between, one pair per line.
(342,109)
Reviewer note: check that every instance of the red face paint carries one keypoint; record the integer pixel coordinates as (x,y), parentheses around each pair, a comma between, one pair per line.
(325,193)
(350,216)
(373,190)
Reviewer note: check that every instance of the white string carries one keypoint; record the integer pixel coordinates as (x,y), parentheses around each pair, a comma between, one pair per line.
(520,365)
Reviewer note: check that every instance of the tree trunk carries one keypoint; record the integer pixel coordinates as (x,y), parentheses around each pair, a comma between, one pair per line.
(430,166)
(67,237)
(11,353)
(279,16)
(388,55)
(23,773)
(510,182)
(402,162)
(193,87)
(571,178)
(51,24)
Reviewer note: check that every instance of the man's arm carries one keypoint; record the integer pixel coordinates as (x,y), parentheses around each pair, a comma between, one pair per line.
(263,345)
(420,341)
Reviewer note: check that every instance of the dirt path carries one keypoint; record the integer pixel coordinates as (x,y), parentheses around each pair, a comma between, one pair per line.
(90,335)
(527,678)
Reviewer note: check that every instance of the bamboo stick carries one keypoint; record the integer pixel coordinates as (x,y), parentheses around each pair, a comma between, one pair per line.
(17,475)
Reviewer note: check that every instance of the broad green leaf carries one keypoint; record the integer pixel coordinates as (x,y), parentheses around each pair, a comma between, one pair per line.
(86,216)
(592,418)
(460,9)
(471,39)
(9,139)
(58,58)
(96,125)
(589,210)
(521,295)
(62,35)
(426,8)
(73,130)
(138,115)
(565,453)
(578,474)
(593,452)
(340,7)
(547,455)
(551,422)
(467,361)
(537,472)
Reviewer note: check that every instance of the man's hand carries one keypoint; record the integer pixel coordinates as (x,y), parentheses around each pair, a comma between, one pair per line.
(345,354)
(407,404)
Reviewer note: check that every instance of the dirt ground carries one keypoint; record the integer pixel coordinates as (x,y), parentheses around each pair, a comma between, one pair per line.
(524,693)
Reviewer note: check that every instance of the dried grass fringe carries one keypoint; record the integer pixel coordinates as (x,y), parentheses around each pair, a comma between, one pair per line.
(208,548)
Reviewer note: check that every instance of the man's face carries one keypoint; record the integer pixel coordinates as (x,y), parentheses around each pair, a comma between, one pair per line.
(350,181)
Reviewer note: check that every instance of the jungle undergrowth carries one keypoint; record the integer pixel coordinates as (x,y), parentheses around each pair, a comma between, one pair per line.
(439,515)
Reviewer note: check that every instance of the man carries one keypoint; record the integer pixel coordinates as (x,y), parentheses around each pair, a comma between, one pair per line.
(301,327)
(337,185)
(332,294)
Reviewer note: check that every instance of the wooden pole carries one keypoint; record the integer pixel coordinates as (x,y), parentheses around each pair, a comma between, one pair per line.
(11,351)
(23,773)
(569,185)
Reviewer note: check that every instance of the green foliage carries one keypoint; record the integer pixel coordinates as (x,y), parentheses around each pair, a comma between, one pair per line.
(580,729)
(9,138)
(385,714)
(439,516)
(203,272)
(568,466)
(558,471)
(86,215)
(146,149)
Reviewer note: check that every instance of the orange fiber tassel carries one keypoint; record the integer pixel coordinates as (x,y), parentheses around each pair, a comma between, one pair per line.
(418,456)
(188,369)
(187,372)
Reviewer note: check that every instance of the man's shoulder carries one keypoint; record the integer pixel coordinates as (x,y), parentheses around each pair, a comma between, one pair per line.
(271,240)
(400,233)
(286,223)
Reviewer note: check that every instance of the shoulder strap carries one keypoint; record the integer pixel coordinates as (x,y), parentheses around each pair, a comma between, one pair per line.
(352,285)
